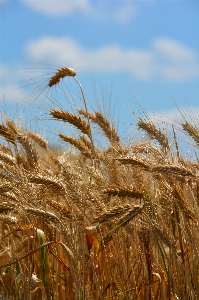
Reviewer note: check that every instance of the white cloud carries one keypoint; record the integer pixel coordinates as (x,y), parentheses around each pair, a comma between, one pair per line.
(98,10)
(12,93)
(166,59)
(174,50)
(58,7)
(126,12)
(106,59)
(10,90)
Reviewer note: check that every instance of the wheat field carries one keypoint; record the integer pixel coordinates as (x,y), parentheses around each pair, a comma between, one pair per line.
(114,223)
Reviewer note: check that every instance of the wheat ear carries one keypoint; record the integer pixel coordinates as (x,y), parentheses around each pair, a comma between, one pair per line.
(139,162)
(38,139)
(104,124)
(7,134)
(154,133)
(61,73)
(78,144)
(192,131)
(72,119)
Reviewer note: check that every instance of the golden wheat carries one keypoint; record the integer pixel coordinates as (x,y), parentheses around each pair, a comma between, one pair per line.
(118,222)
(61,73)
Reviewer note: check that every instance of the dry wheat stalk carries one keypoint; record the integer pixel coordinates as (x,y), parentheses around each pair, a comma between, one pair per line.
(7,134)
(10,220)
(192,131)
(7,158)
(6,206)
(72,119)
(51,182)
(145,147)
(173,169)
(184,203)
(30,150)
(164,235)
(9,176)
(112,213)
(154,133)
(140,162)
(12,198)
(104,124)
(61,73)
(132,213)
(38,139)
(13,127)
(71,188)
(78,144)
(24,244)
(124,191)
(82,112)
(60,207)
(5,187)
(96,176)
(86,142)
(5,149)
(42,214)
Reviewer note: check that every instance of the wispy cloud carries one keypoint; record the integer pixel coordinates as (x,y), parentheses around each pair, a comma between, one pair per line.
(3,1)
(126,12)
(58,7)
(166,59)
(98,10)
(10,90)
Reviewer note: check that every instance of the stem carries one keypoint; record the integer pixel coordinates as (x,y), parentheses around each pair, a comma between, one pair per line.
(86,109)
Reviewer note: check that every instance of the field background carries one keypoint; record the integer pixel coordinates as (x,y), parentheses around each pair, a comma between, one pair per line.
(99,187)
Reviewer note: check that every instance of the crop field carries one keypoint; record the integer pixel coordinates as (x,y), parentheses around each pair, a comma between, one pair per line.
(114,222)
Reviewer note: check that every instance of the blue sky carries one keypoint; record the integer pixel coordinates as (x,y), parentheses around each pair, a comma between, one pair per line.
(147,50)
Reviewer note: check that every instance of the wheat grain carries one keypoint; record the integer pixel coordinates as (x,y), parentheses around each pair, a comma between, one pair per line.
(7,158)
(38,139)
(173,169)
(61,73)
(50,182)
(72,119)
(60,207)
(125,191)
(6,206)
(8,219)
(42,214)
(104,124)
(109,214)
(7,134)
(78,144)
(30,150)
(192,131)
(154,133)
(86,142)
(142,163)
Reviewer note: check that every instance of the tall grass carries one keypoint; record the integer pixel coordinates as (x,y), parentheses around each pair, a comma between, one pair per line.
(119,223)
